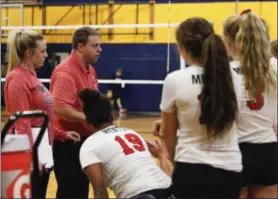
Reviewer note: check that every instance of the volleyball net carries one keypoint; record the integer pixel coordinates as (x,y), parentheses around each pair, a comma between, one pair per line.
(154,44)
(145,51)
(161,57)
(135,48)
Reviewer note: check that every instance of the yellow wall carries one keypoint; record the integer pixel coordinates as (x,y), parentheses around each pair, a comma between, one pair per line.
(215,12)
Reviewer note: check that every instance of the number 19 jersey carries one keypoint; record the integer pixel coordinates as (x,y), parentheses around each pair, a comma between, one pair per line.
(256,116)
(128,166)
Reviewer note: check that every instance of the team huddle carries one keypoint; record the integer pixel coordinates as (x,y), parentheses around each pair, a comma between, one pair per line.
(217,136)
(240,150)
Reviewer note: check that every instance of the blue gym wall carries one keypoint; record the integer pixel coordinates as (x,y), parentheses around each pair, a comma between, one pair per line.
(138,61)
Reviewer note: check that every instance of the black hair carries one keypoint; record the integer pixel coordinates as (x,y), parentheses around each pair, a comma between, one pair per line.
(96,107)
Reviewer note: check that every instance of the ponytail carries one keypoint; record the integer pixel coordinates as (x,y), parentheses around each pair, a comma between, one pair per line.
(18,42)
(254,48)
(13,44)
(218,99)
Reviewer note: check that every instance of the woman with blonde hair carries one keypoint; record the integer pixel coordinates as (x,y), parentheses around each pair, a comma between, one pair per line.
(247,39)
(24,92)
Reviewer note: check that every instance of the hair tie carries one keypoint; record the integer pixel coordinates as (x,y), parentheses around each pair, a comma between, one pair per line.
(208,35)
(245,12)
(19,34)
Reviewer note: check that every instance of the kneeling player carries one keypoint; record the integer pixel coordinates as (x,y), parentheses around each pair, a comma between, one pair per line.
(118,158)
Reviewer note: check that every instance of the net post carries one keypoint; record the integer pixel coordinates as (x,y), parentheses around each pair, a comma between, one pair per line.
(168,38)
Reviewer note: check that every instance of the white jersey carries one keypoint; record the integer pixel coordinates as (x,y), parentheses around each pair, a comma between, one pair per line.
(180,93)
(256,117)
(128,166)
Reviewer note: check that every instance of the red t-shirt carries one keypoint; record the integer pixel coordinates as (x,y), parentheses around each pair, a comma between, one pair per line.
(24,92)
(67,80)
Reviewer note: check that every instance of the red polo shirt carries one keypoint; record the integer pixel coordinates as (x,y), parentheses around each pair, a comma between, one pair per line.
(67,80)
(24,92)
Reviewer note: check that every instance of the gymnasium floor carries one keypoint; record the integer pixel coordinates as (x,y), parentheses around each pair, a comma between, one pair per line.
(140,123)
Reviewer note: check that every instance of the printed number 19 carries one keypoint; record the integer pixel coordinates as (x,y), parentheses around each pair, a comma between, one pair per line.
(134,140)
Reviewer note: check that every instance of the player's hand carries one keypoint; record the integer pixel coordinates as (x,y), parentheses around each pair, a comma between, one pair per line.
(156,125)
(75,137)
(158,149)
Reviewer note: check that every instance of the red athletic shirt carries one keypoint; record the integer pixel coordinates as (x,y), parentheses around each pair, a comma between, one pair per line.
(67,80)
(24,92)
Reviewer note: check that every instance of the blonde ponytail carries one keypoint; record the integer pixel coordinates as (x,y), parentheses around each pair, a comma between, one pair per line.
(253,46)
(13,41)
(18,42)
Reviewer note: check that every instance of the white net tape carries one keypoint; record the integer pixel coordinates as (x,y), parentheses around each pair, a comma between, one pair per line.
(167,27)
(108,81)
(108,26)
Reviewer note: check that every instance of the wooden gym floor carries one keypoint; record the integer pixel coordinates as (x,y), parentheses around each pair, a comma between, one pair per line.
(139,123)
